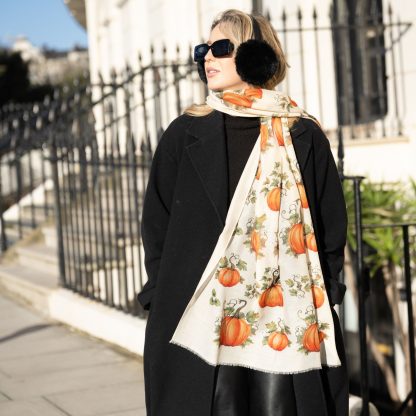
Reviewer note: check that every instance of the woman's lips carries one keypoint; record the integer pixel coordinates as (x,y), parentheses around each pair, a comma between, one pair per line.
(211,72)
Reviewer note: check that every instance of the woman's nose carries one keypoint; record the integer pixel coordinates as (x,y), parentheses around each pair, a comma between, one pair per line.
(209,55)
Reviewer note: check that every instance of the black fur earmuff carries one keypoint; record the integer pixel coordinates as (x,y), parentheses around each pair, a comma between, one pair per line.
(256,61)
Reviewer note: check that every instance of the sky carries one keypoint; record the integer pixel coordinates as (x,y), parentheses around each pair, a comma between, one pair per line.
(44,22)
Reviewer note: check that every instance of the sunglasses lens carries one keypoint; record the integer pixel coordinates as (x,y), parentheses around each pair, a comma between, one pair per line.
(200,51)
(222,47)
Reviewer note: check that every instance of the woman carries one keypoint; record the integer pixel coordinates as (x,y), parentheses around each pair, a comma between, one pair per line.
(246,183)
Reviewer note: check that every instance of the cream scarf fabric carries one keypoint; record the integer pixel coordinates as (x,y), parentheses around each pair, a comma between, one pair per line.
(261,301)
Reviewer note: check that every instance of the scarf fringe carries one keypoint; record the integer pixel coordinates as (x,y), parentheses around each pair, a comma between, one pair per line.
(251,367)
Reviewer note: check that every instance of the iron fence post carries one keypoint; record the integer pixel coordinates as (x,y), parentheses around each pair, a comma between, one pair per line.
(362,286)
(3,238)
(57,207)
(411,332)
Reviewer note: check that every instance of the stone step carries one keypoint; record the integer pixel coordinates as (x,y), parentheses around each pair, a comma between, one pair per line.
(39,258)
(28,286)
(97,281)
(36,211)
(108,203)
(92,257)
(104,211)
(50,236)
(12,235)
(127,185)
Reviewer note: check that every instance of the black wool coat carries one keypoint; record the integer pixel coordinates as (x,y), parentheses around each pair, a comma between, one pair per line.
(184,213)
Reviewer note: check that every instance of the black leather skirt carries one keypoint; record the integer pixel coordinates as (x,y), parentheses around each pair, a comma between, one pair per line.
(241,391)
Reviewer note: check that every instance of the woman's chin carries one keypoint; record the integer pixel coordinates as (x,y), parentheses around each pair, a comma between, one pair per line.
(215,86)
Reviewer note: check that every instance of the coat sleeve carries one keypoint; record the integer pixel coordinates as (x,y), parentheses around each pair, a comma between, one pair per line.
(332,216)
(156,213)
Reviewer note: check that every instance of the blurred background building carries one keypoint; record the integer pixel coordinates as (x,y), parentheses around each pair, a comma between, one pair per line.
(49,66)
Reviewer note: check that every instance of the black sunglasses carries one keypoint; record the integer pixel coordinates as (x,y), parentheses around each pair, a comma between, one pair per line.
(222,47)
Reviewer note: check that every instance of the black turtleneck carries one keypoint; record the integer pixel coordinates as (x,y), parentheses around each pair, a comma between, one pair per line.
(241,134)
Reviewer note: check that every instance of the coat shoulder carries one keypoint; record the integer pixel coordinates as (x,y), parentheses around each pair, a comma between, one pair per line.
(172,138)
(184,129)
(314,133)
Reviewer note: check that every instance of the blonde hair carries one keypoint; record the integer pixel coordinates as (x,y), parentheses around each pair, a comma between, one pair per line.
(238,27)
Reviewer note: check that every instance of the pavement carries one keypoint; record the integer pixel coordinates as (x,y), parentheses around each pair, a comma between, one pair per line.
(50,369)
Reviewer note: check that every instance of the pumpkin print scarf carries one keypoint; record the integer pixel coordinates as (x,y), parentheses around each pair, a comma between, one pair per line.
(261,301)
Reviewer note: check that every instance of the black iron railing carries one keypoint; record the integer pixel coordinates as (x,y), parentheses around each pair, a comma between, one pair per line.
(363,287)
(22,169)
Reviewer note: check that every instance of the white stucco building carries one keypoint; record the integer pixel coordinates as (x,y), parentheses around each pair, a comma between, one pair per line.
(118,30)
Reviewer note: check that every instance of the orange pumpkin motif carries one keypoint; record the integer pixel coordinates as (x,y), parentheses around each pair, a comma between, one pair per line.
(229,276)
(237,99)
(273,199)
(296,240)
(258,173)
(253,92)
(255,241)
(311,242)
(277,130)
(234,331)
(278,341)
(273,296)
(312,338)
(318,296)
(293,102)
(302,193)
(264,136)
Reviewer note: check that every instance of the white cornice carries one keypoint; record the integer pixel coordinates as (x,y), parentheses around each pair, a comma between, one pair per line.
(77,9)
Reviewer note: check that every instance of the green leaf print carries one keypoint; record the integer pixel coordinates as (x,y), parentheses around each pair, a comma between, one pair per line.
(290,282)
(307,229)
(241,265)
(252,317)
(251,197)
(252,291)
(246,342)
(271,326)
(213,299)
(223,262)
(310,319)
(259,221)
(228,311)
(323,326)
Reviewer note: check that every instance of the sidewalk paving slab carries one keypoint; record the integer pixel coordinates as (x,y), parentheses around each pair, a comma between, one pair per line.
(49,369)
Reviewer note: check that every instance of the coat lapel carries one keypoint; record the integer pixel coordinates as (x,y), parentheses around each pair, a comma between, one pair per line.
(209,156)
(302,140)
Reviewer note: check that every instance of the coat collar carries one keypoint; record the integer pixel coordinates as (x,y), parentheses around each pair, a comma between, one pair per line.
(213,171)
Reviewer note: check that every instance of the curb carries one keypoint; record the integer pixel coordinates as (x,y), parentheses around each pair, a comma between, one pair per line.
(63,305)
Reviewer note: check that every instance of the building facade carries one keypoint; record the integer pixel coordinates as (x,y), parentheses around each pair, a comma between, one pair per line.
(322,64)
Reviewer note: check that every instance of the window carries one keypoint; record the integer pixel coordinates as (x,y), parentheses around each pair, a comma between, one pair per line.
(360,62)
